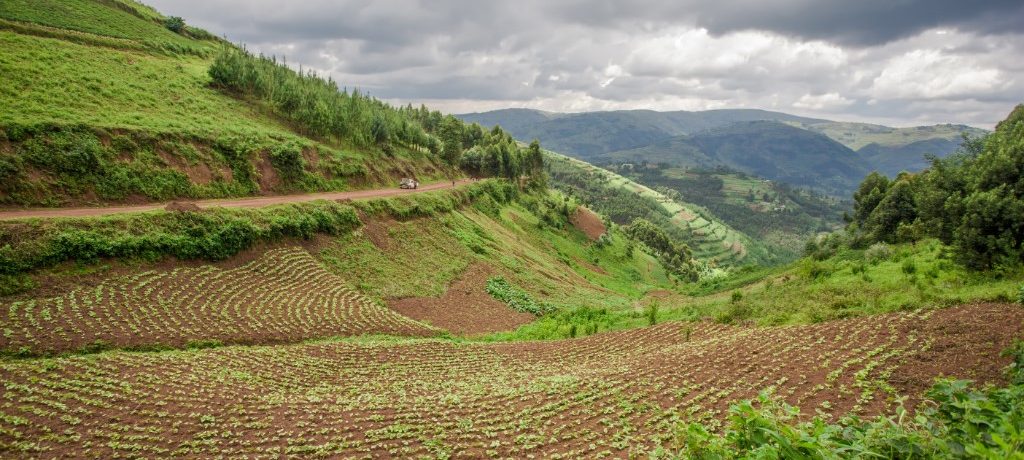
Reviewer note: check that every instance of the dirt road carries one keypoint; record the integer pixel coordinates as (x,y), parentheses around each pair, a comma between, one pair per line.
(248,202)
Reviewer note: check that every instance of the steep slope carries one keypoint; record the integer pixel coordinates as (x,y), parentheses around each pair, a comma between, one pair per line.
(105,103)
(623,200)
(782,217)
(301,271)
(859,135)
(890,160)
(891,150)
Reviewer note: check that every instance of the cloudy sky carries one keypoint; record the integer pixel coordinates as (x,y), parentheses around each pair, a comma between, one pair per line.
(899,62)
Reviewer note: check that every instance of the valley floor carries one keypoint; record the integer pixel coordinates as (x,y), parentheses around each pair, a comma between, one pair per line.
(613,393)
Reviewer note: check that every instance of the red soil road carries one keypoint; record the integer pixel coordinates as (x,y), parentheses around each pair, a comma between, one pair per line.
(250,202)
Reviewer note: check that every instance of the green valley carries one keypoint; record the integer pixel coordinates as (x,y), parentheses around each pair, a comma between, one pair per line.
(208,250)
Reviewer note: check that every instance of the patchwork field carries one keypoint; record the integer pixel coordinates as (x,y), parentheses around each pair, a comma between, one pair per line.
(614,393)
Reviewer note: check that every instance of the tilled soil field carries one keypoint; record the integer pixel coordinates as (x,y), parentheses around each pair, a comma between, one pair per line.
(616,393)
(465,308)
(588,222)
(284,295)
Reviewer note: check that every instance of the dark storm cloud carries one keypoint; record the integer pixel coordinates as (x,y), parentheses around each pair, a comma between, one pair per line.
(851,22)
(903,61)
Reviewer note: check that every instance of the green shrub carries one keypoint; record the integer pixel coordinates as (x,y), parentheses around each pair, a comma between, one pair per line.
(957,421)
(1020,295)
(878,252)
(735,312)
(652,313)
(814,270)
(499,288)
(174,24)
(211,235)
(13,284)
(287,159)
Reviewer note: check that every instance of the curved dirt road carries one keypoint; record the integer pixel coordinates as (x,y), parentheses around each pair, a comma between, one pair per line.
(248,202)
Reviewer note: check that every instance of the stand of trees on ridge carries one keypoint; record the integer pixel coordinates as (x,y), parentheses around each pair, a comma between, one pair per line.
(317,107)
(972,200)
(676,256)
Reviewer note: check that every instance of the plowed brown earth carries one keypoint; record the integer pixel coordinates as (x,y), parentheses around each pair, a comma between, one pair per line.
(587,222)
(283,295)
(466,308)
(617,393)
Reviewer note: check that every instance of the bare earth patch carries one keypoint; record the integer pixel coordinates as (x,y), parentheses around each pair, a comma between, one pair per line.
(587,222)
(376,230)
(466,308)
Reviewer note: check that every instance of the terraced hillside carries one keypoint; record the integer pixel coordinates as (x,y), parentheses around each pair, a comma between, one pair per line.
(512,314)
(612,394)
(781,217)
(335,278)
(710,238)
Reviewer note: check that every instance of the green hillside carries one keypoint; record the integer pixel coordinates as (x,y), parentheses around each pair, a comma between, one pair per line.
(639,135)
(384,249)
(782,217)
(624,200)
(104,103)
(859,135)
(672,303)
(585,135)
(767,149)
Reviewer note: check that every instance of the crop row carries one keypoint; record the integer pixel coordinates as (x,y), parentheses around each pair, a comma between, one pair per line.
(283,296)
(609,394)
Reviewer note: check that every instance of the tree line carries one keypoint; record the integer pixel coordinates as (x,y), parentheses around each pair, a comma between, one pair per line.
(317,107)
(674,255)
(972,200)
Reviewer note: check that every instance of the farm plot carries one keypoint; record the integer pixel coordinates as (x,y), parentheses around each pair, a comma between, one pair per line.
(615,393)
(285,295)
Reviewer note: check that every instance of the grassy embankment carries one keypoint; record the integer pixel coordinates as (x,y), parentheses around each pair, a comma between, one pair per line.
(850,284)
(102,104)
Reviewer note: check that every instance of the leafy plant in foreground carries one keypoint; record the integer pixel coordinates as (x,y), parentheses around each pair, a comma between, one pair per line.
(959,421)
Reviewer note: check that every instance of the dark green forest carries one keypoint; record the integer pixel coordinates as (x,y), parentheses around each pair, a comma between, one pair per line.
(972,200)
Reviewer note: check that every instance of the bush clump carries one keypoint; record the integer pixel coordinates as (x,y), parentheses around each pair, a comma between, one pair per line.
(878,252)
(175,24)
(499,288)
(210,235)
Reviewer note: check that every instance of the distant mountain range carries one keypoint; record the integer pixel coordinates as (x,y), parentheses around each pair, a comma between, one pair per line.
(826,155)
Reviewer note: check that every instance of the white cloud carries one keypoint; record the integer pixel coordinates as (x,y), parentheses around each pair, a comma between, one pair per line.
(931,74)
(948,63)
(822,101)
